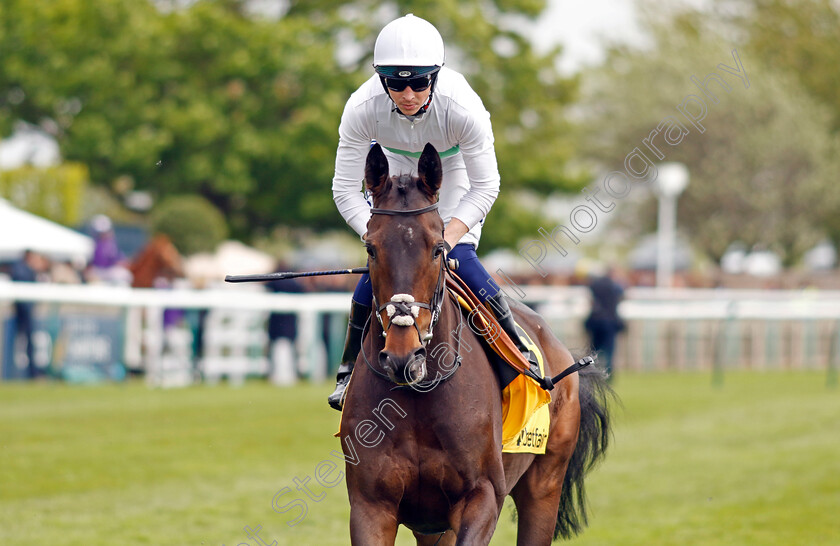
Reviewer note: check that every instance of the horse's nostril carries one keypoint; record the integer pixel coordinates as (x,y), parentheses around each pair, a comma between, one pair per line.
(408,368)
(418,355)
(385,361)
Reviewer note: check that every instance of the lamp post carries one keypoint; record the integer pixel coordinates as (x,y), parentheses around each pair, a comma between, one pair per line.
(672,180)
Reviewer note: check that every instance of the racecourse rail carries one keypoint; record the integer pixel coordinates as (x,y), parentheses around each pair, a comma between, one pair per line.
(680,328)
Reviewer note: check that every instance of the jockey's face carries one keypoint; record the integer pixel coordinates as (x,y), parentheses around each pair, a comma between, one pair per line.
(409,101)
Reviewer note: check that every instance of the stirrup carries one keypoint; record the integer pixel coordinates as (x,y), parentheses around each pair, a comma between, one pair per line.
(336,399)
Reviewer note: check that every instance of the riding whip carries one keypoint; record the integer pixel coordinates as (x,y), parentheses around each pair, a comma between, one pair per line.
(265,277)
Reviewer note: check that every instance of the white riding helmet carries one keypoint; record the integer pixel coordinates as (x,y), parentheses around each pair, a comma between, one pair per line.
(408,42)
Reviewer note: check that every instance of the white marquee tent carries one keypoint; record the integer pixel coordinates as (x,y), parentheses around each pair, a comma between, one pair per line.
(20,230)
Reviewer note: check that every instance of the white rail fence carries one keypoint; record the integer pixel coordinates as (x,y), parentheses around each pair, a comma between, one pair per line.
(680,329)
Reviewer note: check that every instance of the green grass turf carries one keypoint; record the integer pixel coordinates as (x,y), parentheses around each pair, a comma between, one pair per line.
(754,461)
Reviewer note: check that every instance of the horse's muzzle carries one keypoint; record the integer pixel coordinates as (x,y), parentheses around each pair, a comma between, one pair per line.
(408,369)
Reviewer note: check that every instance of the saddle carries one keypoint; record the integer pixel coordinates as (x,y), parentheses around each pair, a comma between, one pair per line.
(525,415)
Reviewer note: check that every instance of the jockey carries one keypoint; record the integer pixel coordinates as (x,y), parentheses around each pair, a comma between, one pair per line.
(423,101)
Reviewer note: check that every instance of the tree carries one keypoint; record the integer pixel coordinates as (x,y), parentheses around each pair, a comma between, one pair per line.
(243,109)
(801,38)
(199,100)
(191,222)
(761,172)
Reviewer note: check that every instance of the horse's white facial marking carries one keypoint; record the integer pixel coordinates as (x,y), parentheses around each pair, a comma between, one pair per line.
(402,320)
(409,233)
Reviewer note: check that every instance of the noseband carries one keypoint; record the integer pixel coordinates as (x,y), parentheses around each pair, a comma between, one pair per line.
(402,309)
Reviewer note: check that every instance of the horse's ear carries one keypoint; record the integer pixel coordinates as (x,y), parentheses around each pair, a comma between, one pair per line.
(376,170)
(430,170)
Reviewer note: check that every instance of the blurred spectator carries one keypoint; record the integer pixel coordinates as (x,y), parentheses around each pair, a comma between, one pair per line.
(282,332)
(283,325)
(65,273)
(107,263)
(26,270)
(603,323)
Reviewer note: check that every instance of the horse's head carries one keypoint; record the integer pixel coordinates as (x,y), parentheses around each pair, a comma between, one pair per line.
(405,248)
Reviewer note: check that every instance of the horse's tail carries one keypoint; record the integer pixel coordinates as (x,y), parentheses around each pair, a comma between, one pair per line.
(593,439)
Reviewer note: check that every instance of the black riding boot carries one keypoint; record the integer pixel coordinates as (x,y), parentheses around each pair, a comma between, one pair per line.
(504,315)
(359,315)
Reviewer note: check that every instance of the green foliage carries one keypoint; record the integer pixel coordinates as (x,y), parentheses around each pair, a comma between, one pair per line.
(189,101)
(55,193)
(762,172)
(244,109)
(802,39)
(191,222)
(508,223)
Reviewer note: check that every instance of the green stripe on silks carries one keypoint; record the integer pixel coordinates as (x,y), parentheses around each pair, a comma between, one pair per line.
(416,155)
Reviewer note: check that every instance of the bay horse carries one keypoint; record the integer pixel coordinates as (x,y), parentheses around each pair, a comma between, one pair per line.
(433,461)
(158,259)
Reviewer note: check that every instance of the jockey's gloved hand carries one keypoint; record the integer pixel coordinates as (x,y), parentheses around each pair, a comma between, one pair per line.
(453,263)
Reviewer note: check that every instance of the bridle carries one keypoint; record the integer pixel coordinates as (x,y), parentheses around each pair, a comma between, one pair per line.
(402,308)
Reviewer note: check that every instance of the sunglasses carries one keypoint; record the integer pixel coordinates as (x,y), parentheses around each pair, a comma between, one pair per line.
(418,84)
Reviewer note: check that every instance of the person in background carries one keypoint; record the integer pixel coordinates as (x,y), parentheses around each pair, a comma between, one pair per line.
(283,325)
(66,272)
(107,263)
(604,323)
(26,269)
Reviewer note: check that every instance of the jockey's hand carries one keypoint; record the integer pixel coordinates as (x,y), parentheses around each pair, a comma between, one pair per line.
(451,235)
(451,263)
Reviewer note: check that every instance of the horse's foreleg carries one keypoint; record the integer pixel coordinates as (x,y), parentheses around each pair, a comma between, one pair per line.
(477,519)
(372,524)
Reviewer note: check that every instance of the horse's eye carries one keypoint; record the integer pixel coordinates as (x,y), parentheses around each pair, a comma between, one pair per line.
(438,251)
(371,251)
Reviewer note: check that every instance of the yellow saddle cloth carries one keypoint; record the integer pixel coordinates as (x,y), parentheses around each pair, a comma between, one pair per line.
(525,415)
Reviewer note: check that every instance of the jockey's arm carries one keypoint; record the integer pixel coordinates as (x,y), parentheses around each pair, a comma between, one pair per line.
(454,231)
(353,146)
(475,137)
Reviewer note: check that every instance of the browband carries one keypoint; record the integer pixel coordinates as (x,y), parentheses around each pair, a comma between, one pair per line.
(411,212)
